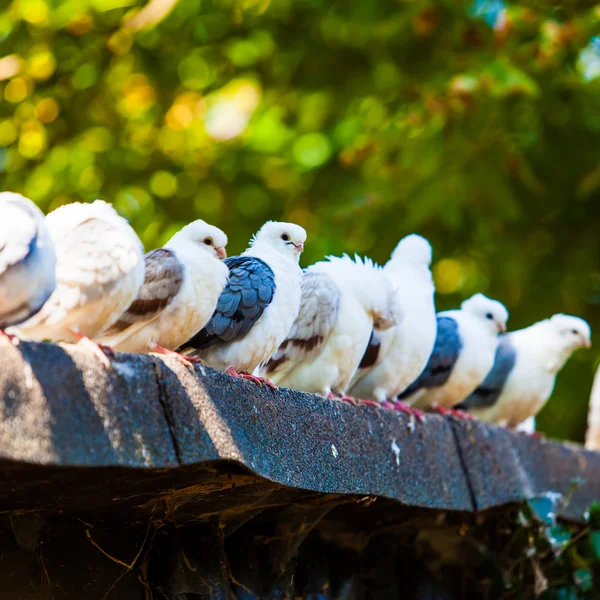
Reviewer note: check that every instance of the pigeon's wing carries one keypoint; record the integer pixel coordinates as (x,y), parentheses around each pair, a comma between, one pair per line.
(442,360)
(249,290)
(163,279)
(311,329)
(18,233)
(491,388)
(92,258)
(371,352)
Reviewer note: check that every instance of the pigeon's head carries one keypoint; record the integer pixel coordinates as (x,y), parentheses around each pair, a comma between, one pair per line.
(414,250)
(285,239)
(573,332)
(491,312)
(207,237)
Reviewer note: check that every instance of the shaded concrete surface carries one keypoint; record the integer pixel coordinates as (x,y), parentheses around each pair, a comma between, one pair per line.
(151,480)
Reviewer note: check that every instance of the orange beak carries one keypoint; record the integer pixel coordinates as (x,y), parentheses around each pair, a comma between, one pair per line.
(221,252)
(299,246)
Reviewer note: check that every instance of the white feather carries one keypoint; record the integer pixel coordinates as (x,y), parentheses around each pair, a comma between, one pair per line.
(541,351)
(204,277)
(405,348)
(366,297)
(27,259)
(99,270)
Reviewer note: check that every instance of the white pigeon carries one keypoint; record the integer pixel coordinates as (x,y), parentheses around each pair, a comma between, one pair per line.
(462,356)
(99,270)
(525,368)
(396,357)
(258,305)
(27,260)
(343,300)
(182,284)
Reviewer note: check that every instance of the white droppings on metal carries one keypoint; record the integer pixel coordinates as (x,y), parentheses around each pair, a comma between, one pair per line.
(396,451)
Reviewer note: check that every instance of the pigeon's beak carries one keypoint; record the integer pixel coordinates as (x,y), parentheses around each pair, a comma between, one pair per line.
(299,246)
(587,343)
(501,327)
(221,252)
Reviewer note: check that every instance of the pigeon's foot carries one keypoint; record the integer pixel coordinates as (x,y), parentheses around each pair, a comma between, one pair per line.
(538,435)
(188,361)
(254,378)
(369,403)
(12,338)
(459,414)
(350,399)
(331,396)
(409,410)
(98,350)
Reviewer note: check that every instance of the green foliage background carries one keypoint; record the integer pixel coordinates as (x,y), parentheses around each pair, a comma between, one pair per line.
(362,121)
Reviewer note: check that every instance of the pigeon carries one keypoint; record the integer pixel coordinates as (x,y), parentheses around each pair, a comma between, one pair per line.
(396,357)
(27,260)
(99,270)
(182,284)
(525,368)
(462,356)
(257,306)
(343,300)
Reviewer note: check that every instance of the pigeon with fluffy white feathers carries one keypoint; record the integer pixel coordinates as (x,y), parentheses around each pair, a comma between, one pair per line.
(396,357)
(525,368)
(99,270)
(27,260)
(257,306)
(182,284)
(462,356)
(343,301)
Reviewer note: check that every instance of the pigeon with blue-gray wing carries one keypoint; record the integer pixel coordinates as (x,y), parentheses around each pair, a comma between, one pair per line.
(27,260)
(526,364)
(462,356)
(257,306)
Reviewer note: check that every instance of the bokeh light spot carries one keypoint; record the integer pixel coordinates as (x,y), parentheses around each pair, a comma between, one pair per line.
(449,275)
(18,89)
(46,110)
(312,150)
(163,184)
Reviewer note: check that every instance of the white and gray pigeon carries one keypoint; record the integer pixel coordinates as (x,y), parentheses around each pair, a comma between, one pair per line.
(525,368)
(27,260)
(396,357)
(462,356)
(258,305)
(99,270)
(343,300)
(182,284)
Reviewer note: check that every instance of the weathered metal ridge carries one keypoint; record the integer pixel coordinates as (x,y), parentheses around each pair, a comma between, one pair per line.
(147,422)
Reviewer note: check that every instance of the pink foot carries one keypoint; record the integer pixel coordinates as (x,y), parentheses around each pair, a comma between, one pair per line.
(459,414)
(370,403)
(184,360)
(10,336)
(259,380)
(413,412)
(99,351)
(331,396)
(349,399)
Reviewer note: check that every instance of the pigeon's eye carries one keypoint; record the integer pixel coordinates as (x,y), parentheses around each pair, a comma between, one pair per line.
(489,316)
(285,237)
(208,241)
(574,332)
